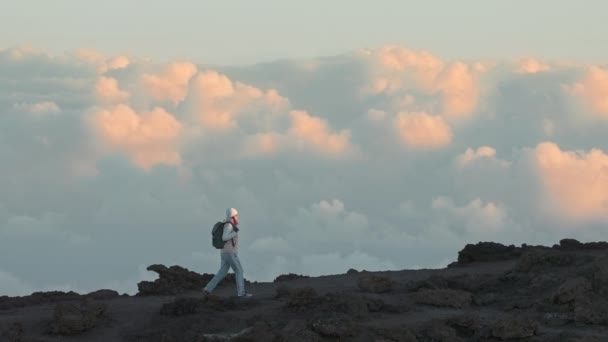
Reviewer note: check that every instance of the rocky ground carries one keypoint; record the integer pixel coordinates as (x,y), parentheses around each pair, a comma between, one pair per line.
(492,293)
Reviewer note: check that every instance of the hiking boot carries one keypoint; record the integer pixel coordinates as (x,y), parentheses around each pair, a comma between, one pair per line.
(246,295)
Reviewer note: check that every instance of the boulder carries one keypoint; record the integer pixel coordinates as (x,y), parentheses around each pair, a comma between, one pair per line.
(572,289)
(74,319)
(514,328)
(14,332)
(334,325)
(103,294)
(375,284)
(176,280)
(297,330)
(443,298)
(290,276)
(37,298)
(591,311)
(539,260)
(487,251)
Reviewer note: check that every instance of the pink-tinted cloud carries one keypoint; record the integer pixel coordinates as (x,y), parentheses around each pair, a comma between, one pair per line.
(262,144)
(422,130)
(219,101)
(316,132)
(100,61)
(459,89)
(593,87)
(118,62)
(531,66)
(108,91)
(575,181)
(483,152)
(395,69)
(148,138)
(172,83)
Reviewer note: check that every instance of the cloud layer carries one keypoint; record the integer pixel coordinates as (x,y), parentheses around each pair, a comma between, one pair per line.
(384,158)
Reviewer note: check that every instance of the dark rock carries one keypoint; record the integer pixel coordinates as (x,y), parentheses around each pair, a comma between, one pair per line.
(434,282)
(176,280)
(290,276)
(484,299)
(465,325)
(575,245)
(375,284)
(334,326)
(487,251)
(182,307)
(557,319)
(103,294)
(13,333)
(591,311)
(394,335)
(439,332)
(171,281)
(352,271)
(302,298)
(569,245)
(297,330)
(37,298)
(73,319)
(600,276)
(538,260)
(443,298)
(572,289)
(507,329)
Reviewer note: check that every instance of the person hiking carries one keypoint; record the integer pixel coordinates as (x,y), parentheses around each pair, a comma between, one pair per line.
(229,254)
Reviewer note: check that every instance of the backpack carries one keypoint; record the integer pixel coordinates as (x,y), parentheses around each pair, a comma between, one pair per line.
(216,233)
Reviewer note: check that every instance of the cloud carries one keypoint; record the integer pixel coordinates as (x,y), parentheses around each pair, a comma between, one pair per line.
(38,108)
(459,90)
(107,91)
(477,217)
(172,83)
(149,138)
(531,66)
(422,130)
(482,153)
(576,182)
(315,132)
(593,88)
(220,103)
(396,70)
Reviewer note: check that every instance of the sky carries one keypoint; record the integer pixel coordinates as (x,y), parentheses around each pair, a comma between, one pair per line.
(238,32)
(384,139)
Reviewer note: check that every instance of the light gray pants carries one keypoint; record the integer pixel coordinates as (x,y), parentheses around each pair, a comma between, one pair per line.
(229,260)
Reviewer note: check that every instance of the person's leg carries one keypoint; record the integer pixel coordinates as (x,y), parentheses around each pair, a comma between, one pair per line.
(221,274)
(235,263)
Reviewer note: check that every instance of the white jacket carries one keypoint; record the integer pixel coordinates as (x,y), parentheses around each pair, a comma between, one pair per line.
(231,237)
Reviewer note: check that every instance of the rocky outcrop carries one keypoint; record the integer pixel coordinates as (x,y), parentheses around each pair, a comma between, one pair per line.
(290,276)
(37,298)
(443,298)
(74,319)
(487,251)
(514,328)
(375,284)
(539,294)
(176,279)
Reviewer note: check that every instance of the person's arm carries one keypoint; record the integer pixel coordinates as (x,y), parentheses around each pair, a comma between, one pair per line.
(229,232)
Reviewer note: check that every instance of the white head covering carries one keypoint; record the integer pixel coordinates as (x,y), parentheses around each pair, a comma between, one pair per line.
(230,213)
